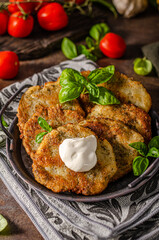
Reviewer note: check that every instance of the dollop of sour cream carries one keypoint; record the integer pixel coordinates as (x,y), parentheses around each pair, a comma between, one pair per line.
(79,154)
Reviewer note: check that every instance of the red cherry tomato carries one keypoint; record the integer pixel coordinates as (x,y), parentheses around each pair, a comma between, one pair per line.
(112,45)
(27,7)
(3,21)
(9,64)
(52,17)
(20,25)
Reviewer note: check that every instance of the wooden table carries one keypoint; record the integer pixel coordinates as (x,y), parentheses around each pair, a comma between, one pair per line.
(137,32)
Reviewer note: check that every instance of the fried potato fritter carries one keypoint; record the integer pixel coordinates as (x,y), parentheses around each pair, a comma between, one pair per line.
(125,89)
(49,169)
(55,116)
(42,96)
(120,136)
(134,117)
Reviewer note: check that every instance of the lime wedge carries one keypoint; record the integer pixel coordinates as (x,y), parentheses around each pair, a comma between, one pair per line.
(3,223)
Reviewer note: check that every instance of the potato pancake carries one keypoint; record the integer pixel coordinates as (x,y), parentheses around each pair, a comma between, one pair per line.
(134,117)
(125,89)
(50,171)
(42,96)
(55,117)
(119,136)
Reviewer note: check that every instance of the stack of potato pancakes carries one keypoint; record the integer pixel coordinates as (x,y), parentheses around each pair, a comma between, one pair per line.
(115,127)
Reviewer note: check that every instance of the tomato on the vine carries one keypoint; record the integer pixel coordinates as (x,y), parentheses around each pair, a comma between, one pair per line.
(27,7)
(3,21)
(9,64)
(20,25)
(112,45)
(38,5)
(52,17)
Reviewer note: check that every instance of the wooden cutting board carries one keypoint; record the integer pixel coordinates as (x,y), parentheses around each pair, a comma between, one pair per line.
(42,42)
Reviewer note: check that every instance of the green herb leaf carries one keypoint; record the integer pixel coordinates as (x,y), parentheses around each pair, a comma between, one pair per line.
(70,76)
(3,223)
(106,97)
(4,123)
(92,89)
(98,31)
(97,52)
(90,42)
(154,142)
(39,137)
(68,48)
(43,123)
(69,93)
(142,66)
(140,164)
(140,147)
(102,75)
(83,50)
(153,152)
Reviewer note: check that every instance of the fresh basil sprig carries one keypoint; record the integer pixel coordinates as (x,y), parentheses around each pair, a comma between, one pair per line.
(73,84)
(141,163)
(91,50)
(43,123)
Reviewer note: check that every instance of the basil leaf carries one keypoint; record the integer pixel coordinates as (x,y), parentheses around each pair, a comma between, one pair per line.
(83,50)
(4,123)
(68,48)
(70,76)
(140,147)
(98,31)
(92,89)
(39,137)
(43,123)
(98,76)
(140,164)
(67,94)
(154,142)
(105,97)
(90,42)
(153,152)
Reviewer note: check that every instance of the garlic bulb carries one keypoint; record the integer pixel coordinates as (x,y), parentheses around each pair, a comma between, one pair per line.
(129,8)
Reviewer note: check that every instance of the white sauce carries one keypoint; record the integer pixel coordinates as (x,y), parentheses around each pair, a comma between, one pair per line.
(79,154)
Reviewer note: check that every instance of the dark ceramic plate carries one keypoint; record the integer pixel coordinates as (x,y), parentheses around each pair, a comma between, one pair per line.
(21,162)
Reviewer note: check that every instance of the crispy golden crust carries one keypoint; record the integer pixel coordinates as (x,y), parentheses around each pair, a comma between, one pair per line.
(55,116)
(126,90)
(134,117)
(42,96)
(119,136)
(50,171)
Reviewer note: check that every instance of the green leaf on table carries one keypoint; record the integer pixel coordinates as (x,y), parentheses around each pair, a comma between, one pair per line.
(43,123)
(92,89)
(106,97)
(70,76)
(3,223)
(98,31)
(4,123)
(39,137)
(142,66)
(69,48)
(83,50)
(153,152)
(140,164)
(102,75)
(140,147)
(69,93)
(154,142)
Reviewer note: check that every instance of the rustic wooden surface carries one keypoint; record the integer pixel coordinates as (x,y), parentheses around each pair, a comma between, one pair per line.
(137,32)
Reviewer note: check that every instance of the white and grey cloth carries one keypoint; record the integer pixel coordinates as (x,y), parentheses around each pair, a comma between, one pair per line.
(131,217)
